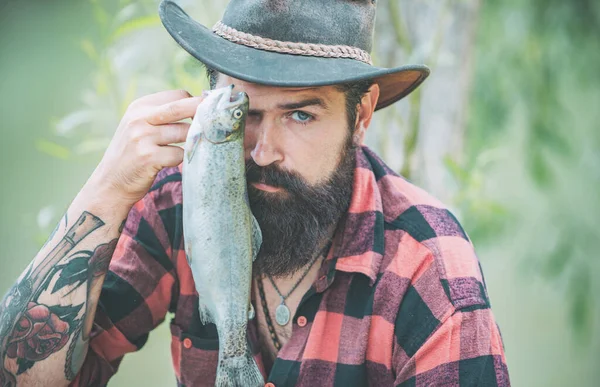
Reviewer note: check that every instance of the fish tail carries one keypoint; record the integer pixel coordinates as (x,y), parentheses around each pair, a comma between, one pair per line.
(241,371)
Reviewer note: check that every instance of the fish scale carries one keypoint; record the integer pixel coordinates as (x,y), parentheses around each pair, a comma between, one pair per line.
(221,236)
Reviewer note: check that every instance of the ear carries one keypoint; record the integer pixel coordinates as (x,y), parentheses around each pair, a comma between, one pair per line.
(365,114)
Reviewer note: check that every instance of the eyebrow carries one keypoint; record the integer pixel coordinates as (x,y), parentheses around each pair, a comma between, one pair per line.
(307,102)
(297,105)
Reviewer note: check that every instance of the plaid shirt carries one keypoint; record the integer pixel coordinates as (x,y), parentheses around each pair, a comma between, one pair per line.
(399,301)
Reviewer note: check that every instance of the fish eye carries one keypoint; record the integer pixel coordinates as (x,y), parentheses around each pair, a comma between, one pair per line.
(237,114)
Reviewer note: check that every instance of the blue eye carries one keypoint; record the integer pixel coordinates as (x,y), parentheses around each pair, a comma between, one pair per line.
(301,116)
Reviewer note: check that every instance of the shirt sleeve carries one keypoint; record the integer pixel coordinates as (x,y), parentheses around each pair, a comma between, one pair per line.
(465,349)
(136,294)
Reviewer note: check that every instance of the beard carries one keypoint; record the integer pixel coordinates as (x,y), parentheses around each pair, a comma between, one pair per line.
(295,223)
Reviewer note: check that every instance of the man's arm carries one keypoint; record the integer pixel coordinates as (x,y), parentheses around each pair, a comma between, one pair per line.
(142,282)
(46,317)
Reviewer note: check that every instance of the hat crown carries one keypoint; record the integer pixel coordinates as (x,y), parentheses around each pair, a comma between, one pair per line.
(330,22)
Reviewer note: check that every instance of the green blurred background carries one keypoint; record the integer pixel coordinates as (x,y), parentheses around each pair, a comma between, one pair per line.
(522,168)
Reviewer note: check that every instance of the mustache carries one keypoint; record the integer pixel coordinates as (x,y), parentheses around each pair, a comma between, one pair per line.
(274,176)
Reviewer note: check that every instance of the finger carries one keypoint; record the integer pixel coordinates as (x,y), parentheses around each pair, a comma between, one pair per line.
(169,156)
(163,97)
(173,133)
(174,111)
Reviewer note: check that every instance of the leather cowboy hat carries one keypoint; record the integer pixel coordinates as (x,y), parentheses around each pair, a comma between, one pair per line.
(293,43)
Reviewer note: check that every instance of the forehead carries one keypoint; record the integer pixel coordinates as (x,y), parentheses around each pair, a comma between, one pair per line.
(262,96)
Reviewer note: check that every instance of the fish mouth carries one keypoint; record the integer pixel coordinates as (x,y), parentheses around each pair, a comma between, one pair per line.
(230,100)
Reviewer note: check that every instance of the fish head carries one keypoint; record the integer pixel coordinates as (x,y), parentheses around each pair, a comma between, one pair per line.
(227,115)
(220,118)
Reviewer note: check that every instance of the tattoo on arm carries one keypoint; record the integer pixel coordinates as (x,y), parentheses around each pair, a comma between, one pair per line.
(31,331)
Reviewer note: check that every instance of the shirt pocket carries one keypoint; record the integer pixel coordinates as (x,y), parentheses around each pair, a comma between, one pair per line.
(195,357)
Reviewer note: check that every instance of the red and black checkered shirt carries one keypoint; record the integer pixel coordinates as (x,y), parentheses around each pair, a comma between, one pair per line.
(399,301)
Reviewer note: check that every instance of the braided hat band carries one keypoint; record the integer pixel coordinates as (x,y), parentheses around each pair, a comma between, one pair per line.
(305,49)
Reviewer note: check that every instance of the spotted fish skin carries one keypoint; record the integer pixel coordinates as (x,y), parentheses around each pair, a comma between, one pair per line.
(221,235)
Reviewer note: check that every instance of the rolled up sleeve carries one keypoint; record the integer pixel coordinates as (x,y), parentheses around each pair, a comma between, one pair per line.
(136,294)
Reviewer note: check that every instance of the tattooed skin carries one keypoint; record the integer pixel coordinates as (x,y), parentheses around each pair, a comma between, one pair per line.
(31,331)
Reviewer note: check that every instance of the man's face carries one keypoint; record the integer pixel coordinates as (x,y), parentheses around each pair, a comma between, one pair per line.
(299,130)
(300,168)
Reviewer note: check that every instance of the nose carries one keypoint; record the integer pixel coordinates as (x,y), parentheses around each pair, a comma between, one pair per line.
(264,144)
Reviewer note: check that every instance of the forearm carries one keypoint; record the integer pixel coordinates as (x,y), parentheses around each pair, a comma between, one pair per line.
(46,317)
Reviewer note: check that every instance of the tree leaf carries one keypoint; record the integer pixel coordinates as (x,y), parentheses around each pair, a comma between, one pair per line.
(581,301)
(92,145)
(558,259)
(88,48)
(100,14)
(539,169)
(74,272)
(53,149)
(459,173)
(75,120)
(135,25)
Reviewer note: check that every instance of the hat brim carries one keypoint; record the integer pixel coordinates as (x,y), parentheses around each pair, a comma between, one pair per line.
(283,70)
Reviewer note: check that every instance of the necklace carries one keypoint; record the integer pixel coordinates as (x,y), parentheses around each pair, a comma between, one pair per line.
(263,302)
(282,312)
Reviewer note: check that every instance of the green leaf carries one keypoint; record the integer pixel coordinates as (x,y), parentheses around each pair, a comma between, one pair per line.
(581,301)
(100,14)
(74,120)
(74,272)
(558,259)
(88,48)
(539,168)
(135,25)
(129,95)
(52,149)
(459,173)
(93,145)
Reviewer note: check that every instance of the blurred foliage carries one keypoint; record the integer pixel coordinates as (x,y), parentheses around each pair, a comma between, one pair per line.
(535,106)
(531,174)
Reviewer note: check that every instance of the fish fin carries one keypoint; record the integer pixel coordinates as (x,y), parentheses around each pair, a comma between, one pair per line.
(188,253)
(193,146)
(205,315)
(241,371)
(256,237)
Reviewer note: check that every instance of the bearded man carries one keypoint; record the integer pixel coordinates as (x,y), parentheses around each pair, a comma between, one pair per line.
(382,284)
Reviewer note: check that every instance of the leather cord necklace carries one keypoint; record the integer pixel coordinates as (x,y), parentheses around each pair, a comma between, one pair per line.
(282,312)
(263,300)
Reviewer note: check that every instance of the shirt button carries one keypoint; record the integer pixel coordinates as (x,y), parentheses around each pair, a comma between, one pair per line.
(187,343)
(302,321)
(269,385)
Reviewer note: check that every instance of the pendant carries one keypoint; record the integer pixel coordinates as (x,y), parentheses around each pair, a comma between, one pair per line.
(282,314)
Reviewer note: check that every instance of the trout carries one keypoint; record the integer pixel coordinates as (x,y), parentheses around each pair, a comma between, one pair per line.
(221,235)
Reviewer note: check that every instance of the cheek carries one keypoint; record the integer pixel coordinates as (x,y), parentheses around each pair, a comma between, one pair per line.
(317,157)
(250,137)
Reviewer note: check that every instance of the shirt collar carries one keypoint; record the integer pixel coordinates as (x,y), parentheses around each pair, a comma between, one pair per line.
(358,244)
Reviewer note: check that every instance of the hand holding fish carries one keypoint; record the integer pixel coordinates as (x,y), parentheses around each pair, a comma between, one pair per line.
(141,146)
